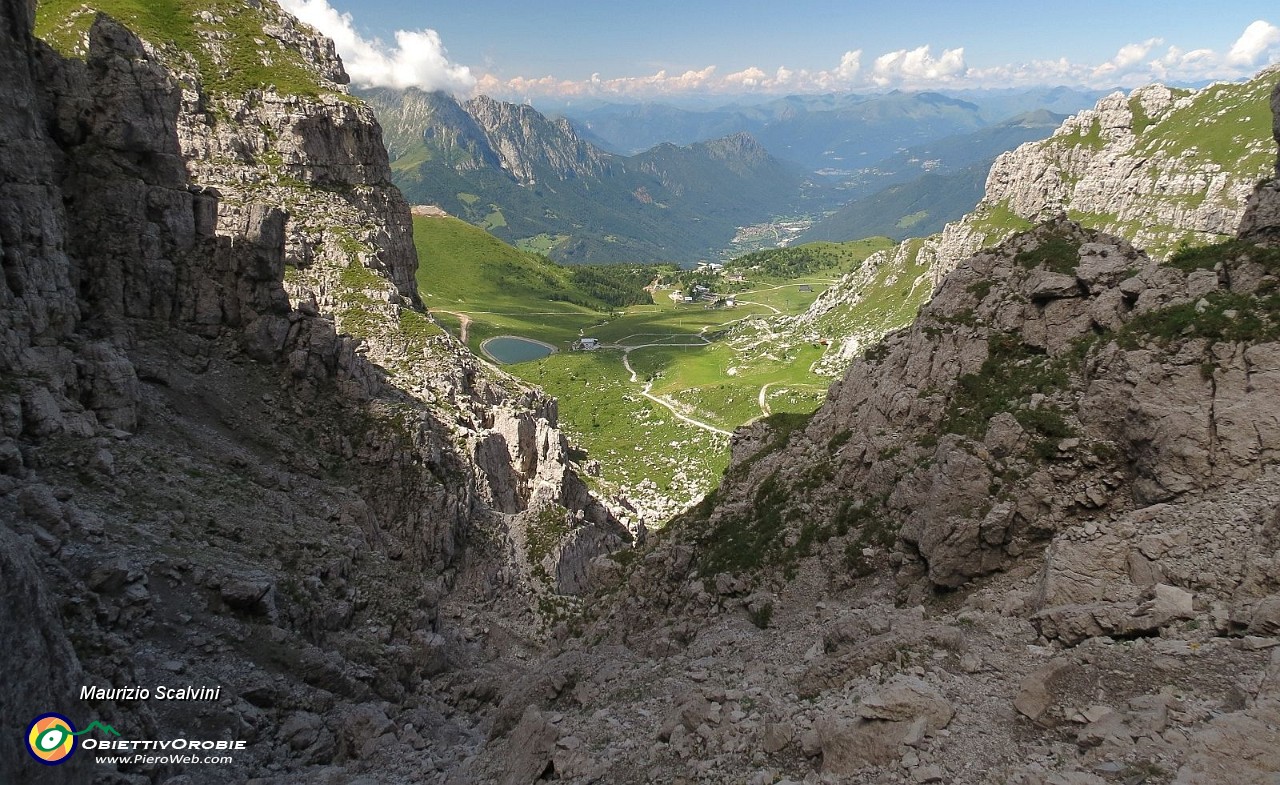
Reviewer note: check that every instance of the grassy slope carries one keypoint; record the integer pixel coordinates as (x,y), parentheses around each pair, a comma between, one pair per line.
(465,269)
(174,26)
(1225,126)
(504,290)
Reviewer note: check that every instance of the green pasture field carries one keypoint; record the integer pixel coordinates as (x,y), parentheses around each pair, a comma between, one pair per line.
(681,353)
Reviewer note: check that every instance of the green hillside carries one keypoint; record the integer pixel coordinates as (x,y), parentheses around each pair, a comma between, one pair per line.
(464,269)
(226,39)
(464,263)
(662,359)
(807,258)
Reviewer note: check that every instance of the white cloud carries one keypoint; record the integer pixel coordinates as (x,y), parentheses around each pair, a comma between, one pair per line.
(1257,39)
(1128,59)
(1137,64)
(917,67)
(850,65)
(418,59)
(748,77)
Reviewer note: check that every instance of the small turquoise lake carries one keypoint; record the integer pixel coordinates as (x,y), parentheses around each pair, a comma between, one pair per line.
(509,349)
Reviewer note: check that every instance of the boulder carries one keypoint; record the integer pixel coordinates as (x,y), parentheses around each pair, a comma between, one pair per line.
(905,712)
(1036,690)
(530,748)
(1265,619)
(1043,285)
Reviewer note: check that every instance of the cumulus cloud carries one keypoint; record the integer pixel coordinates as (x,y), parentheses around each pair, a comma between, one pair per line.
(418,58)
(850,65)
(747,77)
(917,67)
(1133,64)
(1257,39)
(1129,57)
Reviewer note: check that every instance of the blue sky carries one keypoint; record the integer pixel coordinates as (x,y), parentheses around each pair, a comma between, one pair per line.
(519,50)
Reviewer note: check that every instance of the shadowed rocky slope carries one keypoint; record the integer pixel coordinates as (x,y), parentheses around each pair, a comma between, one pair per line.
(205,480)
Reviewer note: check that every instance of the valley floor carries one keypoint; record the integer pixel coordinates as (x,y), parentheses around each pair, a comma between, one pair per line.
(657,401)
(654,403)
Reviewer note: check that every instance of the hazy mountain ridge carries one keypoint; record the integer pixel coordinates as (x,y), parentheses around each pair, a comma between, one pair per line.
(816,130)
(928,185)
(915,208)
(522,175)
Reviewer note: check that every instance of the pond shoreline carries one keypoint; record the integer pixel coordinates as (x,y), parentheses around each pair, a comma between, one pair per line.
(484,347)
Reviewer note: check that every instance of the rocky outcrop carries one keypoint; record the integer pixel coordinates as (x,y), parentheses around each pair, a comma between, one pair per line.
(526,142)
(1049,380)
(1158,167)
(1262,215)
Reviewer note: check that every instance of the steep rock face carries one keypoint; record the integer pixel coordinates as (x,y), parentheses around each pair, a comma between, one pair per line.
(527,142)
(321,158)
(30,226)
(1262,215)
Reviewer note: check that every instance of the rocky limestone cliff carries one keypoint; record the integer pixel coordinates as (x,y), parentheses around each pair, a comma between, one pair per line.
(1262,214)
(1159,167)
(526,141)
(406,115)
(1190,161)
(210,476)
(483,133)
(346,234)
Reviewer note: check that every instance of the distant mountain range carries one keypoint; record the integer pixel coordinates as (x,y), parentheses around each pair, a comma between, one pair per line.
(840,132)
(548,184)
(532,180)
(928,185)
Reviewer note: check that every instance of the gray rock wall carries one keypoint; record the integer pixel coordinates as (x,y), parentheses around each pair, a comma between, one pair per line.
(1263,213)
